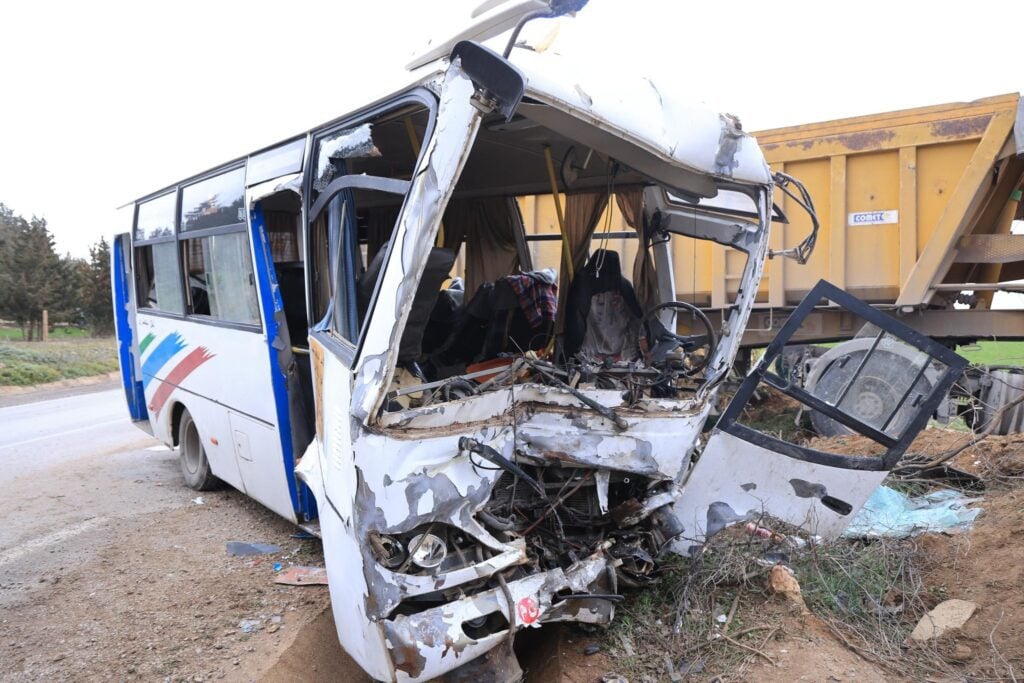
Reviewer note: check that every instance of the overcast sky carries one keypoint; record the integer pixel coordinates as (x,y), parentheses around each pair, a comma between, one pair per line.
(101,102)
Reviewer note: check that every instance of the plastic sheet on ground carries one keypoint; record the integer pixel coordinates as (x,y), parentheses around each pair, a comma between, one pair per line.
(889,513)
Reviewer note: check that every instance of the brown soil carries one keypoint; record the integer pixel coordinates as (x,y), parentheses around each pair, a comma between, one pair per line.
(993,456)
(147,591)
(985,566)
(808,651)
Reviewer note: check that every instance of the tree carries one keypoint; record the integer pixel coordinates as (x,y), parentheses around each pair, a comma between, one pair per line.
(32,276)
(97,305)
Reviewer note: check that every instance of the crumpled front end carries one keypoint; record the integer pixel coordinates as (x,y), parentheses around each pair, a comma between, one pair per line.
(468,533)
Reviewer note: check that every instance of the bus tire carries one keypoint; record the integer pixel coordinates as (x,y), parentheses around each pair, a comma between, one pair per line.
(194,465)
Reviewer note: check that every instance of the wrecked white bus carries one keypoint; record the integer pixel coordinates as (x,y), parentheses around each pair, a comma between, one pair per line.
(351,328)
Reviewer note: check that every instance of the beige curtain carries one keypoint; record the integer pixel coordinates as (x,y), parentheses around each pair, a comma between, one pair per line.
(281,231)
(487,227)
(582,213)
(645,280)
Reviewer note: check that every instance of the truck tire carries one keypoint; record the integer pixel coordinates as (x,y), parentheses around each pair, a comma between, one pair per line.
(194,465)
(879,389)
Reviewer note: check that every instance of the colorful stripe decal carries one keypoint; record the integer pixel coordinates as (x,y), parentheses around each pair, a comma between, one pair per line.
(165,350)
(177,375)
(146,341)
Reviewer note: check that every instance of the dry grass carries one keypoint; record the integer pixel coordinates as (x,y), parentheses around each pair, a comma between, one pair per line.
(714,614)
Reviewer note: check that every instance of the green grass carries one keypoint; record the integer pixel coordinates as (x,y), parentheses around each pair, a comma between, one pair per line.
(994,353)
(13,333)
(28,363)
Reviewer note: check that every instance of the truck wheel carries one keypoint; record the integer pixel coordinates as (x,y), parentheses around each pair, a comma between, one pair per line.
(194,465)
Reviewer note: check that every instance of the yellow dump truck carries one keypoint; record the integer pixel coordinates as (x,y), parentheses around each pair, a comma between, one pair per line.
(916,208)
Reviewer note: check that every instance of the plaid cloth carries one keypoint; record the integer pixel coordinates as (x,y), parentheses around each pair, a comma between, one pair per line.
(538,298)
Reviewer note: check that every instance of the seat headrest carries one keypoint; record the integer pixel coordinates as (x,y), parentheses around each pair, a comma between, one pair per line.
(604,270)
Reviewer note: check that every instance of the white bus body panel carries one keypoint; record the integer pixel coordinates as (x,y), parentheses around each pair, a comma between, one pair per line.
(211,370)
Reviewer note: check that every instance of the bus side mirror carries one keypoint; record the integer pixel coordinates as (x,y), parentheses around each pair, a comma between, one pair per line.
(499,84)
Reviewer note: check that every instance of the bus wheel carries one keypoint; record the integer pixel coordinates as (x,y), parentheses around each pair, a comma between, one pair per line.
(194,464)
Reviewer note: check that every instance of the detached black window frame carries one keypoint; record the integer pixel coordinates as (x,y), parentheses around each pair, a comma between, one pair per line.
(897,445)
(321,326)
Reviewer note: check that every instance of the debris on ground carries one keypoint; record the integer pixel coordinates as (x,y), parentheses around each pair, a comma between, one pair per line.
(302,576)
(782,581)
(243,549)
(249,625)
(894,514)
(947,615)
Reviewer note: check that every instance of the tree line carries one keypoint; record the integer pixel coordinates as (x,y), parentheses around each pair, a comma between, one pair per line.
(34,278)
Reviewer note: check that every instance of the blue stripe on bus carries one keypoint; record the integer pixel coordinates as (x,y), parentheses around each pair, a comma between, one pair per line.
(168,347)
(125,343)
(273,315)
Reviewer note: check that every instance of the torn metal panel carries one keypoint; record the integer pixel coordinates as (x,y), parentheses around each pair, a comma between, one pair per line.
(771,484)
(440,165)
(656,119)
(532,398)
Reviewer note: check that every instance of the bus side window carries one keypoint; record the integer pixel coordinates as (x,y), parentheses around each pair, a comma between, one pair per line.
(157,281)
(220,278)
(350,237)
(157,278)
(215,249)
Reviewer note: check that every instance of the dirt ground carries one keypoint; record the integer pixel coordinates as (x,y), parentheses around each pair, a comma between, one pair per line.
(984,566)
(113,570)
(143,588)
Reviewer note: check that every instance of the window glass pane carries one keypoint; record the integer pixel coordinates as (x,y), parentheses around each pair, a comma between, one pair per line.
(220,277)
(156,218)
(217,201)
(882,383)
(276,162)
(157,278)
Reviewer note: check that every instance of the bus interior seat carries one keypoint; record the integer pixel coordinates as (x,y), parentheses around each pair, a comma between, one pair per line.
(603,312)
(492,322)
(435,272)
(291,280)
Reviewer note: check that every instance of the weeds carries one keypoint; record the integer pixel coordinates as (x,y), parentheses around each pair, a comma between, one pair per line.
(712,615)
(28,363)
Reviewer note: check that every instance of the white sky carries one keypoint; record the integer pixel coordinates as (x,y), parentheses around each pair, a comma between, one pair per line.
(105,101)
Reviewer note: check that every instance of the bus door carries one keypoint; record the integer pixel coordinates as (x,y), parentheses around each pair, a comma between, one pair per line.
(885,392)
(123,290)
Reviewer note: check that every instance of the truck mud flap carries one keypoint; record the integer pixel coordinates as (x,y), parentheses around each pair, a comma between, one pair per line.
(744,473)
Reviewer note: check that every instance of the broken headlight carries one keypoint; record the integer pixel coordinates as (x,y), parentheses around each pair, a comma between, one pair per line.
(427,551)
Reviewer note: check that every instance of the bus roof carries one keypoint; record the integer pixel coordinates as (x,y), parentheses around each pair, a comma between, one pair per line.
(634,108)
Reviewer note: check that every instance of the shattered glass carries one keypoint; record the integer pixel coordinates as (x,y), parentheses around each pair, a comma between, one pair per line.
(351,143)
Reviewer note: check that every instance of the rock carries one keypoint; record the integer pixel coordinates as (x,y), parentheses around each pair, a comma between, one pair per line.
(946,615)
(592,649)
(960,654)
(273,628)
(782,581)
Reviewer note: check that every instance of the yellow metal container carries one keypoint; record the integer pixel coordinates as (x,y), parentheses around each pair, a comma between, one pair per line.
(913,204)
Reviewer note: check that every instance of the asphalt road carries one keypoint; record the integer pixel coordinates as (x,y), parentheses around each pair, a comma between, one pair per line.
(36,436)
